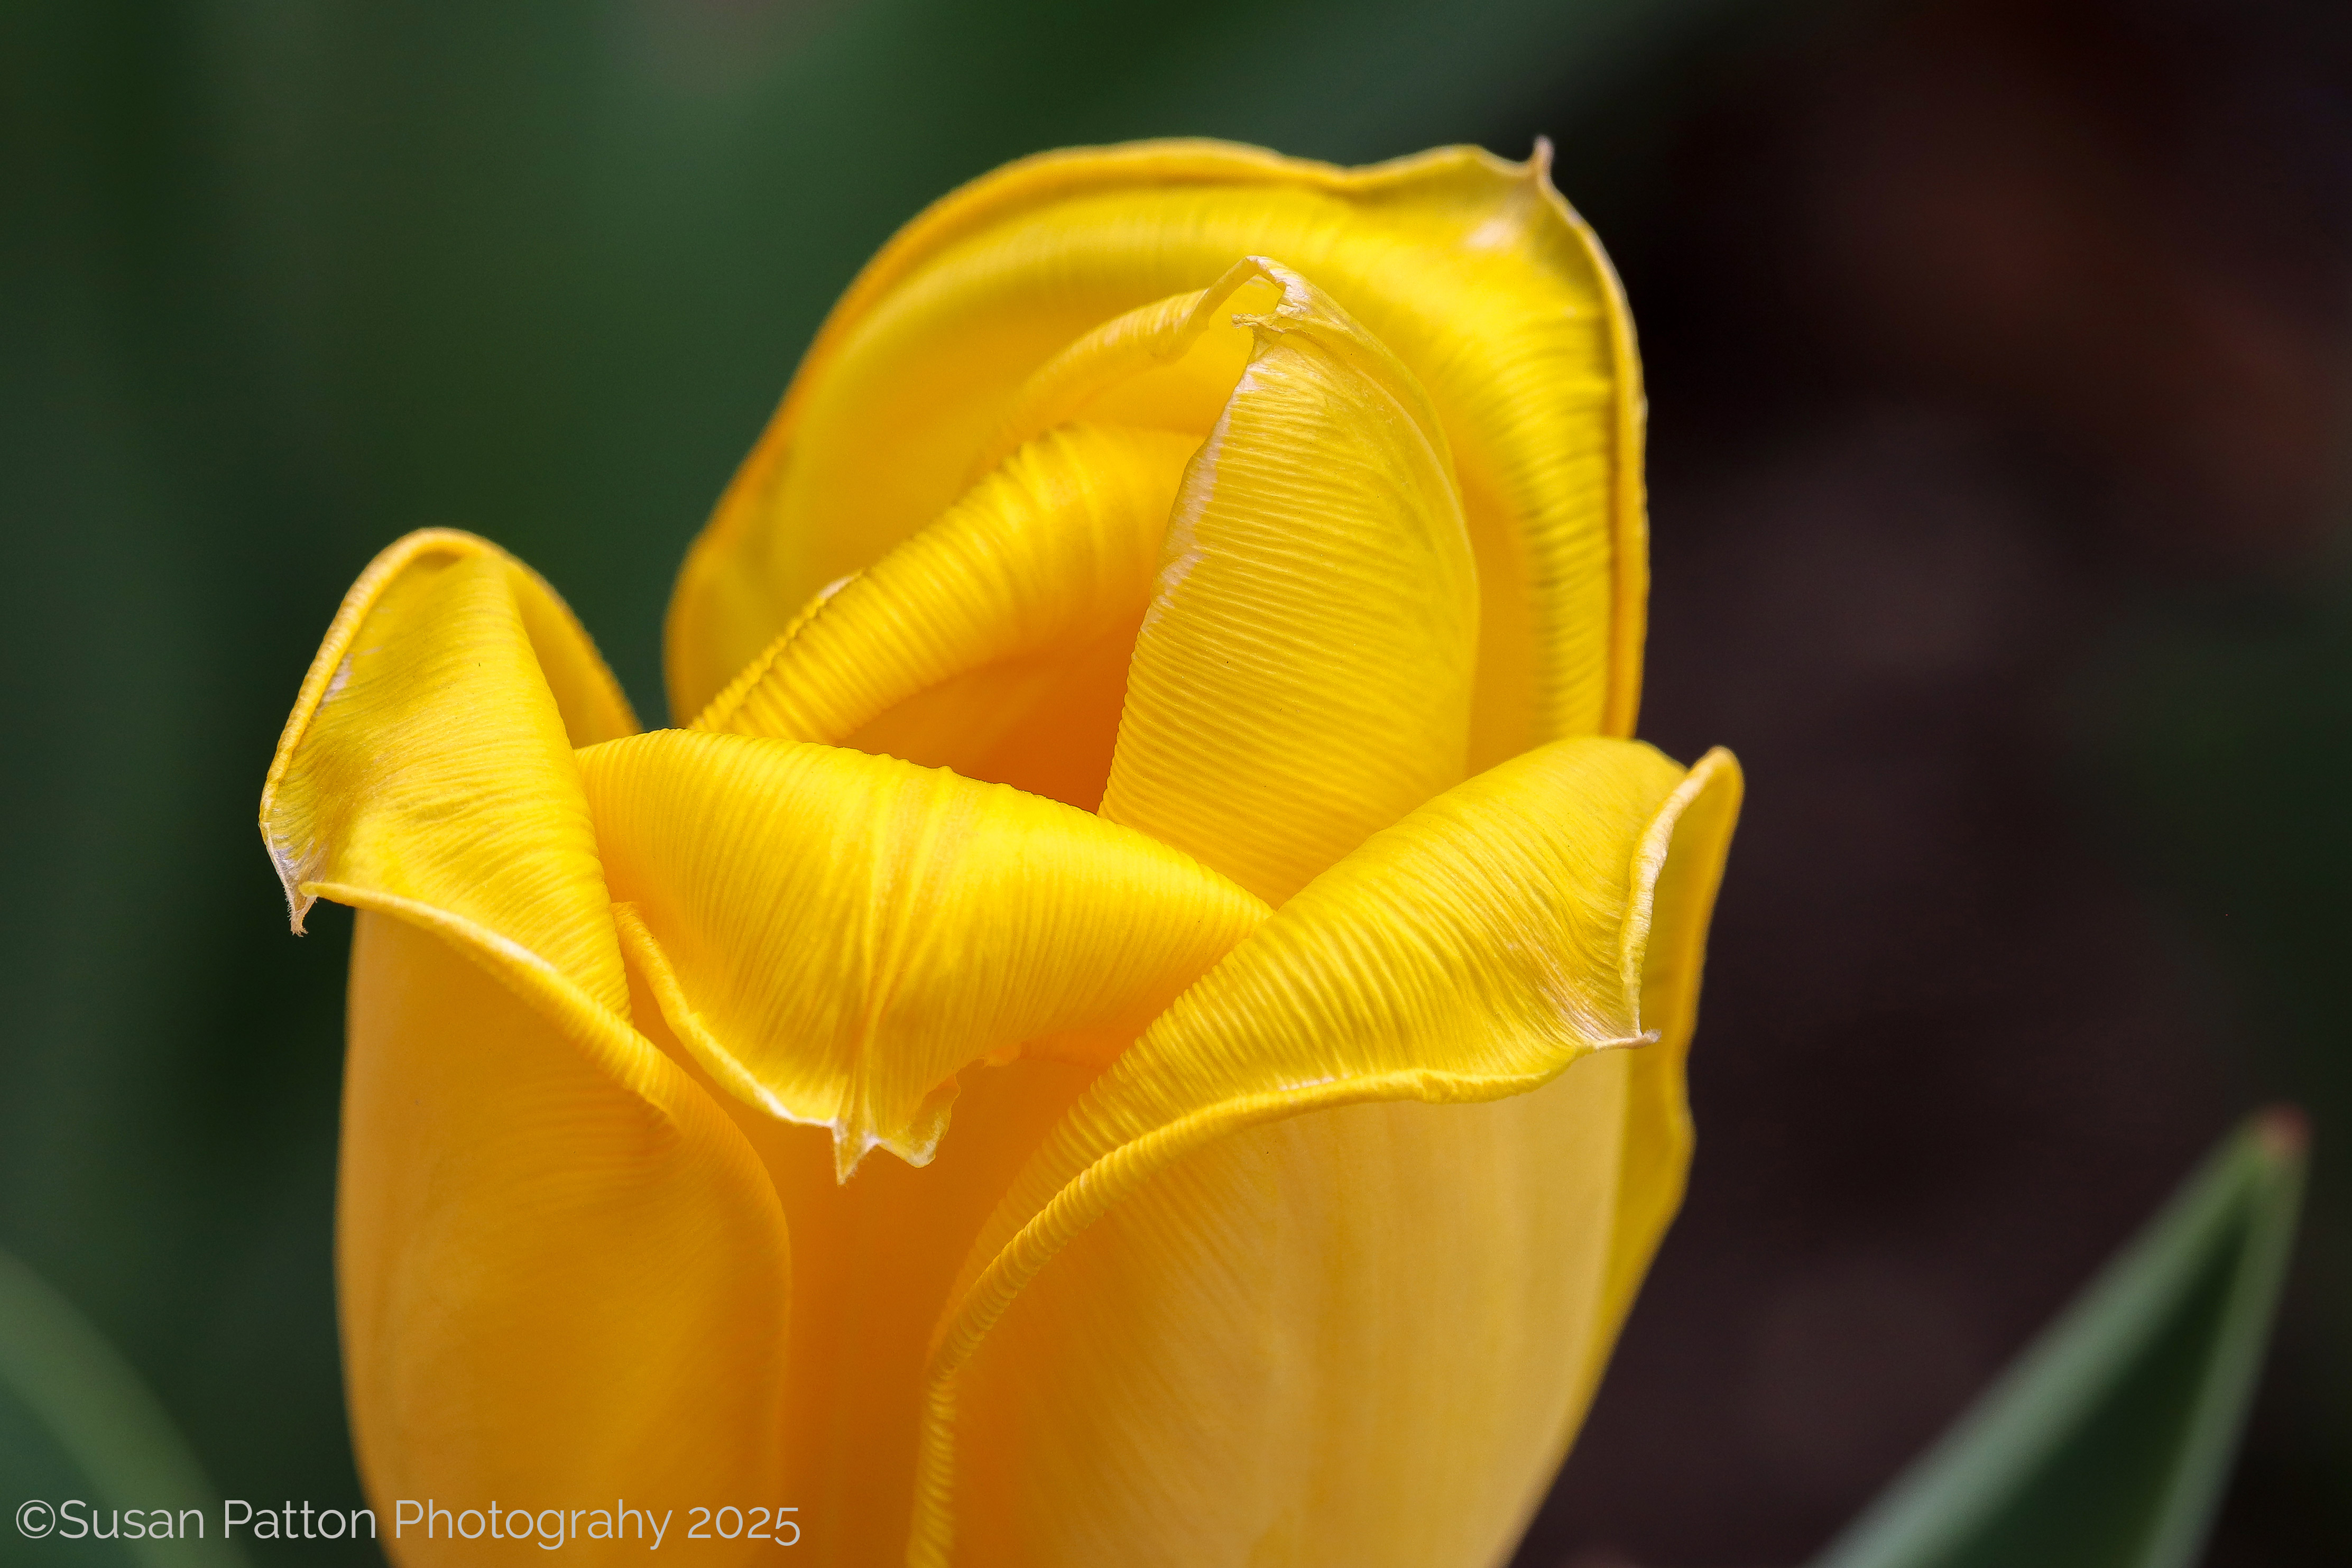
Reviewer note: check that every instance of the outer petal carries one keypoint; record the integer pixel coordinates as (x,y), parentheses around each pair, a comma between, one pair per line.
(562,1270)
(564,1277)
(835,935)
(1302,676)
(1471,269)
(1237,1305)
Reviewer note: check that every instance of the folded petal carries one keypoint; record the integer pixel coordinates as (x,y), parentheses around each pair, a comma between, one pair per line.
(835,935)
(1288,1312)
(1471,269)
(428,757)
(1303,676)
(562,1272)
(995,641)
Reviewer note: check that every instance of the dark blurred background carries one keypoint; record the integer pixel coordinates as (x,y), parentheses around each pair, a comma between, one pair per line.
(1999,356)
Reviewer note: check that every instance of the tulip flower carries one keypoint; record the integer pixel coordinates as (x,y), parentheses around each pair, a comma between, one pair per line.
(1141,1018)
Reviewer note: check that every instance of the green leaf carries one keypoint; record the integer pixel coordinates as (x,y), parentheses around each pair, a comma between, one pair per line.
(2107,1443)
(116,1440)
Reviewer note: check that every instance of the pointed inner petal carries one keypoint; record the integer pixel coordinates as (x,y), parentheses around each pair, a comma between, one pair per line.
(1168,365)
(1302,676)
(836,935)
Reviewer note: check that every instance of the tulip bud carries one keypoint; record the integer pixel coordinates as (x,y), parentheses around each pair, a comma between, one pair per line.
(1143,1017)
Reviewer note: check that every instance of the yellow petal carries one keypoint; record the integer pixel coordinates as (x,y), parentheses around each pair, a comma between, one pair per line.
(1005,609)
(835,935)
(428,758)
(528,1187)
(1169,365)
(1303,676)
(1471,269)
(1288,1315)
(564,1277)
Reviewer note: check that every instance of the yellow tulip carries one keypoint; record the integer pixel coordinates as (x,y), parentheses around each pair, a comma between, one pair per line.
(1142,1021)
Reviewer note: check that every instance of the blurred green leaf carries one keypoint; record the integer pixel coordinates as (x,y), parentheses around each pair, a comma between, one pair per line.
(84,1398)
(2107,1442)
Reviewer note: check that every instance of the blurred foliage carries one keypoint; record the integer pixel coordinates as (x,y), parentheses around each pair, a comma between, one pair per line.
(2217,730)
(2107,1442)
(76,1423)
